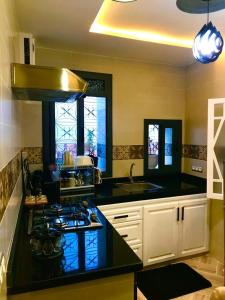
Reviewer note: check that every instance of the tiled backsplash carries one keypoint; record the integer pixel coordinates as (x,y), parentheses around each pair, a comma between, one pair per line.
(195,152)
(124,152)
(34,154)
(128,152)
(8,178)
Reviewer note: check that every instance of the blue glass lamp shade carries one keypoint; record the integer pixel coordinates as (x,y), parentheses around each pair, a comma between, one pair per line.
(208,44)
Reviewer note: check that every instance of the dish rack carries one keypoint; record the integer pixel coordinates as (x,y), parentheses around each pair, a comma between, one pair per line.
(76,177)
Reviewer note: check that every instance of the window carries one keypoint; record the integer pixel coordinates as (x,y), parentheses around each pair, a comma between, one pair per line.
(162,144)
(83,127)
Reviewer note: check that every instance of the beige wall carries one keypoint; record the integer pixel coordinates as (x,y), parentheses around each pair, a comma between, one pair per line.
(205,82)
(10,110)
(202,83)
(217,229)
(32,123)
(140,91)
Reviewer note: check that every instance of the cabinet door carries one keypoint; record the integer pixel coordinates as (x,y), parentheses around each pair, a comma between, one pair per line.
(160,232)
(193,227)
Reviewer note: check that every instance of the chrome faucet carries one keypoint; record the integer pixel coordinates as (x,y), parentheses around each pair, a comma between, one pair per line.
(131,173)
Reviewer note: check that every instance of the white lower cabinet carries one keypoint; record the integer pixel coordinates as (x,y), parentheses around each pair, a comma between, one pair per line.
(160,232)
(175,229)
(127,220)
(131,231)
(193,227)
(162,229)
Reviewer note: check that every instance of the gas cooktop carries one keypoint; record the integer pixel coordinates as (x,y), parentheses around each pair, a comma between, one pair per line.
(76,216)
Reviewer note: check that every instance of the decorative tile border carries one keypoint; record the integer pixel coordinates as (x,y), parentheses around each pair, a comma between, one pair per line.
(195,152)
(124,152)
(35,155)
(8,179)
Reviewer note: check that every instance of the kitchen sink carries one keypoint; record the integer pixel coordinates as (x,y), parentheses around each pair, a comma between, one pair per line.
(138,186)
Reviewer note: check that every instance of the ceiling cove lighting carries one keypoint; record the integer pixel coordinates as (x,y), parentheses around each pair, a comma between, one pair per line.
(208,43)
(100,26)
(147,36)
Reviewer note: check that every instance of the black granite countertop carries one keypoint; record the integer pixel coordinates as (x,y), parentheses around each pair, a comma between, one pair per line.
(88,254)
(111,254)
(183,184)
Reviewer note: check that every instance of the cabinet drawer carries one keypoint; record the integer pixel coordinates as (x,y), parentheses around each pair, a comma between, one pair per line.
(130,231)
(137,249)
(121,215)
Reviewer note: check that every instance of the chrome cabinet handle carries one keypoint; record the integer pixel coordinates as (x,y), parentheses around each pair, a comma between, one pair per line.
(121,217)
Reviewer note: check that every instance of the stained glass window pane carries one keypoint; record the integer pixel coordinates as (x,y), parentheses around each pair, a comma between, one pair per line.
(65,129)
(71,259)
(95,129)
(168,159)
(153,146)
(91,250)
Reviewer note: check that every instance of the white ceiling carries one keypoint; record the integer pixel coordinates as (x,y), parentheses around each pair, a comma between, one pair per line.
(66,23)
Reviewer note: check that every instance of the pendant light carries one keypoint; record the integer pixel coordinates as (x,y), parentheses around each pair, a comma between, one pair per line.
(208,43)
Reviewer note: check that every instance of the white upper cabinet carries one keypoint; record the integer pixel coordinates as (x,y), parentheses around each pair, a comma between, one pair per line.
(215,148)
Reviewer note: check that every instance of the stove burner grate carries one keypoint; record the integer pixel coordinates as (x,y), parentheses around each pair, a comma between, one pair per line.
(65,217)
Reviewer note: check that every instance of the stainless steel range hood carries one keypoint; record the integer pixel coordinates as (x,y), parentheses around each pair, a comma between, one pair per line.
(31,82)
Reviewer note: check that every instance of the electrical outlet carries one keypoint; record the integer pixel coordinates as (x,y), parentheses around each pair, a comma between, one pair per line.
(200,169)
(197,169)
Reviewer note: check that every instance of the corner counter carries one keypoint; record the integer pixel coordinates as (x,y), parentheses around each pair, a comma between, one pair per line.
(91,262)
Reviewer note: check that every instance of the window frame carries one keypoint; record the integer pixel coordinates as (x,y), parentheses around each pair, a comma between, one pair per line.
(48,121)
(163,169)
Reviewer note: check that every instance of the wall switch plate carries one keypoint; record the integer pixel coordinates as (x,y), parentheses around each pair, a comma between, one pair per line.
(197,169)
